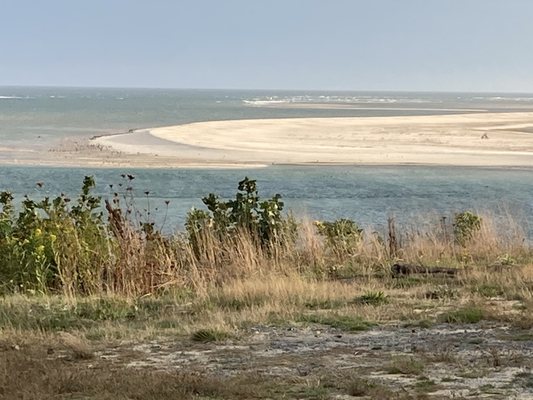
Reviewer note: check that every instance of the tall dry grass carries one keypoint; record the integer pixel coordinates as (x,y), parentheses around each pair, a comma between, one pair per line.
(50,247)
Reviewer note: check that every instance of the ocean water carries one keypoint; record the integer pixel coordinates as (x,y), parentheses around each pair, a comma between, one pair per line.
(39,118)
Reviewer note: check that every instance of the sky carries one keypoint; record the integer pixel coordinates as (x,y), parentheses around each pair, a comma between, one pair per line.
(411,45)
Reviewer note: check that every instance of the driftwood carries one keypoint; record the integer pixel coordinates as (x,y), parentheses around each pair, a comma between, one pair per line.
(410,269)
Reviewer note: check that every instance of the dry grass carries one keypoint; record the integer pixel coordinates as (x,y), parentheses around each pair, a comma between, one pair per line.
(30,375)
(49,342)
(274,297)
(79,347)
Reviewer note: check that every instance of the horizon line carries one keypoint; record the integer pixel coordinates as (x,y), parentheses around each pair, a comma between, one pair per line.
(260,89)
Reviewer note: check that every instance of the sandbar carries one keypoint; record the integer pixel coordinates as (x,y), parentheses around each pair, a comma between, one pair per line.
(488,139)
(477,139)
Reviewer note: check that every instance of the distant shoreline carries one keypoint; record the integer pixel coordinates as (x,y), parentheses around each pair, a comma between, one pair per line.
(428,140)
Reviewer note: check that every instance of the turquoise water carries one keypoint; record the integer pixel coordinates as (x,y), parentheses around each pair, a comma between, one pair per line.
(38,118)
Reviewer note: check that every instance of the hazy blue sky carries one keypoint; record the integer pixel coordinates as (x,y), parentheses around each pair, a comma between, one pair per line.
(451,45)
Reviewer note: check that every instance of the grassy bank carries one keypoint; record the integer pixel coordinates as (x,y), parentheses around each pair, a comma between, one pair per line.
(82,276)
(89,246)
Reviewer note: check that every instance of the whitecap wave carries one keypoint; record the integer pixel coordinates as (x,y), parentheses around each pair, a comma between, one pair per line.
(264,102)
(332,99)
(504,98)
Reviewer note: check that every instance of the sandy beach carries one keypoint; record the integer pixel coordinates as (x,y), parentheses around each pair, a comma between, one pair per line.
(480,139)
(475,139)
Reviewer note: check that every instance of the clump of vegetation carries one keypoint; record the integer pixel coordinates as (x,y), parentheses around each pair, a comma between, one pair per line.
(341,235)
(465,225)
(103,272)
(78,347)
(405,366)
(465,315)
(373,298)
(209,335)
(246,213)
(524,379)
(50,244)
(359,387)
(489,290)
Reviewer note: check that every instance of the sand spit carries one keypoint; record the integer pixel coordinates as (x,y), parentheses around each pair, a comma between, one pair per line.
(478,139)
(487,139)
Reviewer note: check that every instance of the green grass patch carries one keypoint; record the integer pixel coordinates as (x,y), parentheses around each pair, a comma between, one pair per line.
(359,387)
(407,282)
(51,314)
(487,290)
(405,366)
(372,298)
(441,292)
(209,335)
(519,337)
(240,304)
(33,316)
(465,315)
(105,309)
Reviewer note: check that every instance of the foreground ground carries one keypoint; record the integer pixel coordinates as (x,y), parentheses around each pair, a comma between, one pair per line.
(416,337)
(313,362)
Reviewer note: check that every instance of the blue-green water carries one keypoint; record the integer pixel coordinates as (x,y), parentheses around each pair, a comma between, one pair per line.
(38,118)
(366,194)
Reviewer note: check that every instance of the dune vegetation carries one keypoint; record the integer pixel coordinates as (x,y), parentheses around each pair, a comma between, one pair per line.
(78,276)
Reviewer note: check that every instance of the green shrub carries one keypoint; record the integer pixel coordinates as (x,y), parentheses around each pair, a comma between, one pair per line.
(341,235)
(465,225)
(49,245)
(489,290)
(246,213)
(106,309)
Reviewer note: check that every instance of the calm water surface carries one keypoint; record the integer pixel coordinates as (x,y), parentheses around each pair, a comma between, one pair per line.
(366,194)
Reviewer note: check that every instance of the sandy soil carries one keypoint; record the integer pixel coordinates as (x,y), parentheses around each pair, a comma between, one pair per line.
(473,361)
(456,361)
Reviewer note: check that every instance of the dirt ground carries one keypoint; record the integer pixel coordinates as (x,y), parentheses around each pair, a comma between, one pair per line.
(446,361)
